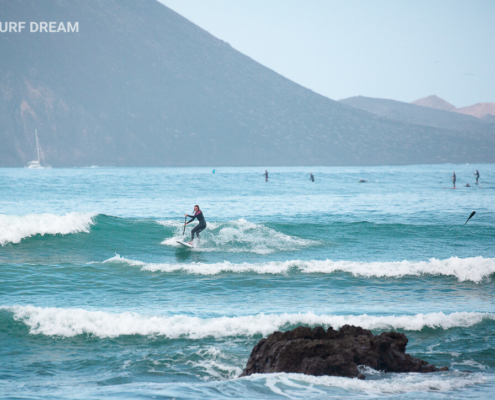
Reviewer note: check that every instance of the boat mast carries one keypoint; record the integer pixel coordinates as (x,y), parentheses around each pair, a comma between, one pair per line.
(37,145)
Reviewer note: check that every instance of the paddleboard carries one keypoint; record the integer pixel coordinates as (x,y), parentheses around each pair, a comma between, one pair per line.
(185,244)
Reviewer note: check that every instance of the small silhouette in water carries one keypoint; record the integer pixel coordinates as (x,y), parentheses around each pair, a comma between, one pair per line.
(454,179)
(477,175)
(311,177)
(266,175)
(471,216)
(468,185)
(363,181)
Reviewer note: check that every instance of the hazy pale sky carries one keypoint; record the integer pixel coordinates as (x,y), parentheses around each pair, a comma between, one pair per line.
(395,49)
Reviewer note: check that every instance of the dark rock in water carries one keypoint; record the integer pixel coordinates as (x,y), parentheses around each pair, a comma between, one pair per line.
(337,353)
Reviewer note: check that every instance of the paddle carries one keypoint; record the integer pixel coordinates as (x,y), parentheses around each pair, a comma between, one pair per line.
(471,216)
(185,219)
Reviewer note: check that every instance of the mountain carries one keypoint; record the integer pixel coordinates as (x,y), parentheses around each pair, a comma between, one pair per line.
(435,102)
(489,118)
(479,110)
(139,85)
(414,114)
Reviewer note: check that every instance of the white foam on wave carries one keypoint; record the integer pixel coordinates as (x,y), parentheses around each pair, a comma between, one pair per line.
(66,322)
(241,236)
(474,269)
(118,259)
(14,228)
(171,223)
(292,384)
(176,224)
(216,364)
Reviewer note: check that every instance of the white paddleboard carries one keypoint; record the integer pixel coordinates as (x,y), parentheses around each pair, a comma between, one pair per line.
(185,244)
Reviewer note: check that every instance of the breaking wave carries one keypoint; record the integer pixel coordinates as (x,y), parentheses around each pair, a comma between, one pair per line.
(14,228)
(239,236)
(474,269)
(71,322)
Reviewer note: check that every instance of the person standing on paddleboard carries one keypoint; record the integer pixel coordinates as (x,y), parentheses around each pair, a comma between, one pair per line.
(454,179)
(198,214)
(477,175)
(266,175)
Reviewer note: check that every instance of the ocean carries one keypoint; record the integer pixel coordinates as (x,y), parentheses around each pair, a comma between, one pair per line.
(97,299)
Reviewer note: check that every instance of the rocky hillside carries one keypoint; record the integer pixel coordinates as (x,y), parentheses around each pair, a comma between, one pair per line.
(414,114)
(435,102)
(479,110)
(139,85)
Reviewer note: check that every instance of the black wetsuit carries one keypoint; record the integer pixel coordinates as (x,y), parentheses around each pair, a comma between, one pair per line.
(198,228)
(312,178)
(477,176)
(454,179)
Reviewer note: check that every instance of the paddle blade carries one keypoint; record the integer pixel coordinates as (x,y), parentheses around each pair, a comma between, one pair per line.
(471,216)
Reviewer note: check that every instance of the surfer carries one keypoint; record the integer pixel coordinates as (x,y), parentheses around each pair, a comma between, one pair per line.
(477,175)
(311,177)
(468,185)
(453,179)
(198,214)
(266,175)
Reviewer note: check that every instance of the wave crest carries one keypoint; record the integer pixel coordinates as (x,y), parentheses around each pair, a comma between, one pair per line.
(71,322)
(474,269)
(240,236)
(14,228)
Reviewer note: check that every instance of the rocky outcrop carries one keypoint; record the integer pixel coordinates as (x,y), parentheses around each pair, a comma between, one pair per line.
(337,353)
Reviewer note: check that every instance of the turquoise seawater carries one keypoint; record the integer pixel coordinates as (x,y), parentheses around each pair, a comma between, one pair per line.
(98,300)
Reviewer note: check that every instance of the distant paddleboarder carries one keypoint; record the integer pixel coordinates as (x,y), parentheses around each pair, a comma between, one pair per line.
(266,175)
(311,177)
(198,214)
(477,175)
(453,179)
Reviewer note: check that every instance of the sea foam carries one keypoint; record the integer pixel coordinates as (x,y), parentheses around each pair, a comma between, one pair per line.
(71,322)
(239,236)
(474,269)
(282,383)
(14,228)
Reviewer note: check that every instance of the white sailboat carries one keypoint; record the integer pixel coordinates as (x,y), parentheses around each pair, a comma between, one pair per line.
(36,164)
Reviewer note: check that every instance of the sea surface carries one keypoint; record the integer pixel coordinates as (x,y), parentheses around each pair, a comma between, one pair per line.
(97,299)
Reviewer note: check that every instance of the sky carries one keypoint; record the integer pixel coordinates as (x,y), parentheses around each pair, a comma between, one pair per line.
(392,49)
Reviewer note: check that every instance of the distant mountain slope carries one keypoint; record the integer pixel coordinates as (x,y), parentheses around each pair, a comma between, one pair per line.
(414,114)
(489,118)
(435,102)
(139,85)
(478,110)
